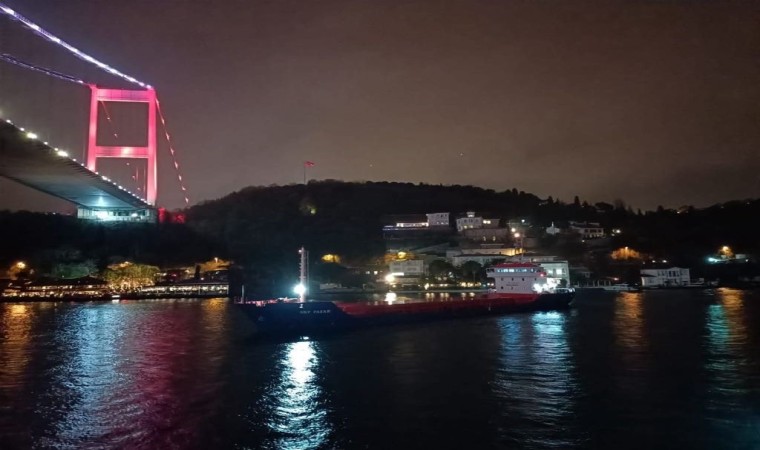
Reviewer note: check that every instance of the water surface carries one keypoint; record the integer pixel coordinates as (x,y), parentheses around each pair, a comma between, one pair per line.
(672,369)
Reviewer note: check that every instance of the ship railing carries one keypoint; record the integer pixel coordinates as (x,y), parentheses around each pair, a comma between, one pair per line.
(266,301)
(563,290)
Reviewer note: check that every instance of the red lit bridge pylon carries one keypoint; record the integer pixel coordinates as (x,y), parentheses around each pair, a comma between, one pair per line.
(106,205)
(148,152)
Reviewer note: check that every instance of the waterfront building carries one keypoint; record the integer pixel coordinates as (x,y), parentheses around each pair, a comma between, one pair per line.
(413,267)
(407,272)
(87,287)
(665,277)
(189,289)
(5,284)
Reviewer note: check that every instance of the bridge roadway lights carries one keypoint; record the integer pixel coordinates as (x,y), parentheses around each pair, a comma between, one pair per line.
(147,215)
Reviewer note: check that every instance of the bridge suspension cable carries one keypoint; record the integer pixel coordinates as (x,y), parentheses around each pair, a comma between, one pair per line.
(39,31)
(50,72)
(173,152)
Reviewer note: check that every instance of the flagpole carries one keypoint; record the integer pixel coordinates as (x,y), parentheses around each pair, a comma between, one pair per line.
(306,164)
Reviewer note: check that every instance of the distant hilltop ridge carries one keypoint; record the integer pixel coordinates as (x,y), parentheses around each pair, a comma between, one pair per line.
(348,217)
(421,198)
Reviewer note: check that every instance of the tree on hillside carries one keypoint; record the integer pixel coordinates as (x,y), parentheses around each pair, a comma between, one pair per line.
(74,269)
(214,264)
(19,270)
(127,275)
(441,269)
(328,273)
(472,271)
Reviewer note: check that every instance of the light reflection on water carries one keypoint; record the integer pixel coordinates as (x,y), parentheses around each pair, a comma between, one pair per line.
(629,322)
(107,375)
(86,381)
(15,336)
(299,416)
(535,382)
(631,338)
(729,365)
(646,370)
(726,337)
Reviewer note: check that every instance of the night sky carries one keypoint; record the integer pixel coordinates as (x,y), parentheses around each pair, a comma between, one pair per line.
(651,102)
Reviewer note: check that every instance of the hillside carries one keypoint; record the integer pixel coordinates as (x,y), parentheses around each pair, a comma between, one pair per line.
(261,228)
(343,218)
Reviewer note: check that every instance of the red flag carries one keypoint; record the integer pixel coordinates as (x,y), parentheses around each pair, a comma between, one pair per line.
(309,164)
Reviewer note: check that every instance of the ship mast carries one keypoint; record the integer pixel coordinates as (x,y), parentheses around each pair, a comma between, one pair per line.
(302,279)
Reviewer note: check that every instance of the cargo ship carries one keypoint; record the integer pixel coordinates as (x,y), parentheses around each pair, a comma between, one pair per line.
(518,287)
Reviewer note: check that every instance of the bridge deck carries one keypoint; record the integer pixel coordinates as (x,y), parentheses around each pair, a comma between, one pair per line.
(39,166)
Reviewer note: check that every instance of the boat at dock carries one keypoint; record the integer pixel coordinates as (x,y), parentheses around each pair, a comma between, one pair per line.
(518,287)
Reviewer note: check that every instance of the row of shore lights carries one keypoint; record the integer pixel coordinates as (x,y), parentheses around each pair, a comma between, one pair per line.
(65,154)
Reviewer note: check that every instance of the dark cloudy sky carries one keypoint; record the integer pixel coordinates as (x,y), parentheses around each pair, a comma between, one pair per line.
(652,102)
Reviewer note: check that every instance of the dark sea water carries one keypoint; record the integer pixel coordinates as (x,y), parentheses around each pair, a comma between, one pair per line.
(676,369)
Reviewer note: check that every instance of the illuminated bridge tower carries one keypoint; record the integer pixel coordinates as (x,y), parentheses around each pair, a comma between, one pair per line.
(148,152)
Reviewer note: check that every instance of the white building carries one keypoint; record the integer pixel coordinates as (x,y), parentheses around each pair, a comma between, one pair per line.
(482,256)
(553,230)
(674,276)
(470,221)
(438,219)
(409,267)
(587,230)
(410,225)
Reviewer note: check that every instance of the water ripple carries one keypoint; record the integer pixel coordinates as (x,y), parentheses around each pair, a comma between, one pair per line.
(635,370)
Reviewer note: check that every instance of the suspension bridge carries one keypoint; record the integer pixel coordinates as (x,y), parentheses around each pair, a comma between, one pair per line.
(28,159)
